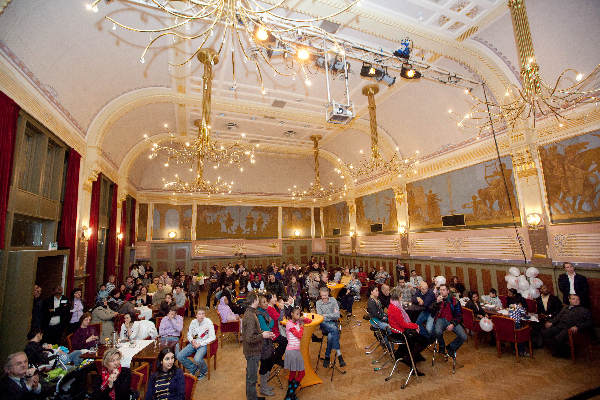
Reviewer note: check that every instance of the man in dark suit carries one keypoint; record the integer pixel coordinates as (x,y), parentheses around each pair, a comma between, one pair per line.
(19,382)
(548,305)
(56,310)
(37,311)
(572,318)
(572,283)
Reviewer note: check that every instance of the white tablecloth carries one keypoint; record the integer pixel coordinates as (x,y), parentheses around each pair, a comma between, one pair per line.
(128,352)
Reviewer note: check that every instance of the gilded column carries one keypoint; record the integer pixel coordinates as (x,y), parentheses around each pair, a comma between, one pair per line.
(279,222)
(150,224)
(194,218)
(312,222)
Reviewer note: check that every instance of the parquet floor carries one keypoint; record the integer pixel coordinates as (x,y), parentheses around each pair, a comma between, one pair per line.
(484,375)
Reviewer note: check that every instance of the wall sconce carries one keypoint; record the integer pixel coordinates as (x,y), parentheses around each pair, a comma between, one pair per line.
(402,229)
(352,233)
(120,235)
(297,233)
(86,233)
(534,220)
(172,235)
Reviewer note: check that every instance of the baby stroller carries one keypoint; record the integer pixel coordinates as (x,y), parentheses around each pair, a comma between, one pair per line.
(72,386)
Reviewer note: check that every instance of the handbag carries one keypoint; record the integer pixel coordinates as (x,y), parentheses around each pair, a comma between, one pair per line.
(267,349)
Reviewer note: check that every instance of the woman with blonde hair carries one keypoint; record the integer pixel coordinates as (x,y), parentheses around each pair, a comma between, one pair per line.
(115,381)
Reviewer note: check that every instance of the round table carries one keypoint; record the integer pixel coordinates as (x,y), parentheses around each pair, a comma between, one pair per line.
(310,377)
(335,289)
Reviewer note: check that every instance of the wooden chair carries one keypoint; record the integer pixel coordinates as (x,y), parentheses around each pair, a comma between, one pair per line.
(471,324)
(136,382)
(230,327)
(183,310)
(144,370)
(506,332)
(531,305)
(69,343)
(580,340)
(158,320)
(503,300)
(211,350)
(118,321)
(190,385)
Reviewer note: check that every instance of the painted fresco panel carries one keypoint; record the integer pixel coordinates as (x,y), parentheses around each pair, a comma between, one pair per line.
(336,216)
(572,178)
(295,219)
(236,222)
(169,217)
(317,218)
(377,208)
(477,191)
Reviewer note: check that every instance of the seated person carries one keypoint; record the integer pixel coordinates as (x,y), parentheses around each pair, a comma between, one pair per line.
(20,382)
(492,299)
(329,309)
(115,300)
(40,354)
(256,283)
(349,293)
(415,279)
(153,287)
(274,286)
(200,333)
(399,320)
(128,306)
(457,286)
(573,318)
(384,296)
(448,318)
(337,276)
(168,381)
(381,276)
(515,297)
(346,277)
(179,296)
(159,296)
(114,381)
(171,325)
(375,309)
(474,305)
(548,305)
(312,285)
(132,329)
(406,291)
(425,298)
(85,337)
(143,298)
(102,293)
(166,305)
(225,312)
(324,279)
(104,315)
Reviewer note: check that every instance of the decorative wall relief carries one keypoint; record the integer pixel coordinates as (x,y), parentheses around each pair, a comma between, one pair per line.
(295,219)
(172,218)
(335,216)
(236,222)
(376,208)
(477,191)
(572,178)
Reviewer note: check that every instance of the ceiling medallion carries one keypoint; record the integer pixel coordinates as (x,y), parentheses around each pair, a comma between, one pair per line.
(204,150)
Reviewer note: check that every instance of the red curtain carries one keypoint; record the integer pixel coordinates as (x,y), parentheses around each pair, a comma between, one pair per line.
(122,230)
(111,252)
(92,252)
(9,113)
(67,235)
(132,224)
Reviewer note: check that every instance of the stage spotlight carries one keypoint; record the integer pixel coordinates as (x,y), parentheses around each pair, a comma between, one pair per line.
(408,72)
(382,75)
(367,70)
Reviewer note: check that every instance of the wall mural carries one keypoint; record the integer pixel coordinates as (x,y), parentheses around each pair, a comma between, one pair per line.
(572,177)
(477,191)
(376,208)
(318,227)
(336,216)
(142,224)
(169,217)
(295,219)
(221,222)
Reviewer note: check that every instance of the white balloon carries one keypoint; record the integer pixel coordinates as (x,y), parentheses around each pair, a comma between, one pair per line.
(507,277)
(533,293)
(532,272)
(536,283)
(512,282)
(440,280)
(514,271)
(523,286)
(486,324)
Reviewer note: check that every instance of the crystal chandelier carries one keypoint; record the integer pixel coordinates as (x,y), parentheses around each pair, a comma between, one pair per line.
(377,165)
(249,26)
(317,191)
(195,155)
(536,98)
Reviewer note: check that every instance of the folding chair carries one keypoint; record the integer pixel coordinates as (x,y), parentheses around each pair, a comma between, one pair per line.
(397,338)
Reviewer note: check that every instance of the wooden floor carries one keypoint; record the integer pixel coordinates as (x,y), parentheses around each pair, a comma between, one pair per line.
(483,376)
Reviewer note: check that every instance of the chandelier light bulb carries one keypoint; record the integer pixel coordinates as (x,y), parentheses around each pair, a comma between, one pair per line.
(303,54)
(579,77)
(262,34)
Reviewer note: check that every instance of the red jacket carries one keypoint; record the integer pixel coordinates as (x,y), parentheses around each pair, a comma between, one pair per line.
(397,321)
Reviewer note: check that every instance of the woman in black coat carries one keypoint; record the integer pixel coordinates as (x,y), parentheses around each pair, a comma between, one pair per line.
(114,382)
(475,305)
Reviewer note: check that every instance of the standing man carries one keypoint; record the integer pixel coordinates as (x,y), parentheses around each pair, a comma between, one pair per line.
(252,337)
(37,311)
(329,309)
(573,283)
(200,333)
(56,309)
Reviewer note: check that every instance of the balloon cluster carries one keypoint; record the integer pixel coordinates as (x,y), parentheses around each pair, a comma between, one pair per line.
(528,285)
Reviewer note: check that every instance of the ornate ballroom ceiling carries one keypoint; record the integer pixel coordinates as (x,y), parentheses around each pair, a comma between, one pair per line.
(92,77)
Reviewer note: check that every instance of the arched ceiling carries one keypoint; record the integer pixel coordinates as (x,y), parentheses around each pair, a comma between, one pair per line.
(95,74)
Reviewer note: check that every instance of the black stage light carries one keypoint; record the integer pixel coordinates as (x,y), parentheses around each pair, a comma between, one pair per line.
(408,72)
(368,70)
